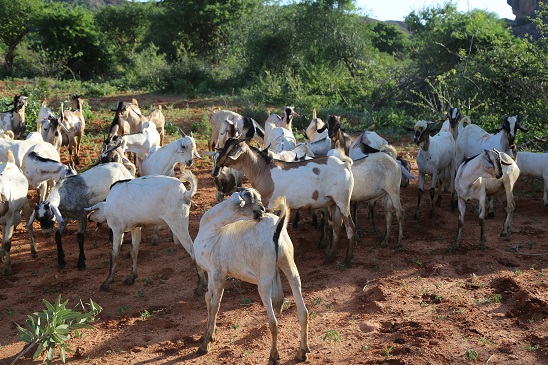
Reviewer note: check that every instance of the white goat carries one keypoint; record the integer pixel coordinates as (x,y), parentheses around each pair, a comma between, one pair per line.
(307,185)
(13,200)
(239,239)
(68,200)
(435,154)
(73,126)
(162,160)
(148,200)
(279,139)
(14,119)
(140,143)
(534,165)
(487,174)
(473,139)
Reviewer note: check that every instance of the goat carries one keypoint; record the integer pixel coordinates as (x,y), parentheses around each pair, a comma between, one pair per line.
(157,117)
(450,124)
(52,131)
(472,140)
(237,238)
(140,143)
(68,200)
(284,122)
(13,200)
(311,132)
(279,139)
(300,152)
(337,134)
(14,119)
(361,147)
(73,126)
(43,114)
(246,126)
(489,173)
(534,165)
(227,180)
(132,204)
(42,168)
(435,154)
(114,151)
(310,184)
(162,160)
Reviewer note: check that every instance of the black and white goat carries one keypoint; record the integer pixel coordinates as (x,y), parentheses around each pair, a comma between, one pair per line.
(246,126)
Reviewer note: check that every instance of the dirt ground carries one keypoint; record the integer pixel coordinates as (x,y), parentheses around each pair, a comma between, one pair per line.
(417,305)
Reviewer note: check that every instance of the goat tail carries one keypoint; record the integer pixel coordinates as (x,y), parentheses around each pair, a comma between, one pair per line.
(188,176)
(344,158)
(281,204)
(466,120)
(389,150)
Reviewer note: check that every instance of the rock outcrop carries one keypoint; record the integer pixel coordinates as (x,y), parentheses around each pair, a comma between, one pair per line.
(523,8)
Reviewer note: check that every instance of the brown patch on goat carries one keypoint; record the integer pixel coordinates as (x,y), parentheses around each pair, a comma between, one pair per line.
(315,194)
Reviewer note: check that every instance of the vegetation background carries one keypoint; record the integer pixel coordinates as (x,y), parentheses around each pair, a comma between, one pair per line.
(312,54)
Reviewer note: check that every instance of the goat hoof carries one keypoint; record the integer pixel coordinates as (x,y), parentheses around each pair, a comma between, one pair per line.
(302,355)
(130,280)
(202,350)
(491,215)
(7,272)
(416,216)
(34,254)
(105,286)
(81,268)
(62,265)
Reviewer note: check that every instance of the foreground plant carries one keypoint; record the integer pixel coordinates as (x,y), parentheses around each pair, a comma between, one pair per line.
(53,326)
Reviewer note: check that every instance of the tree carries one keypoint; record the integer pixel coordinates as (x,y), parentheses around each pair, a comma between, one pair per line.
(389,38)
(125,25)
(16,20)
(199,26)
(71,30)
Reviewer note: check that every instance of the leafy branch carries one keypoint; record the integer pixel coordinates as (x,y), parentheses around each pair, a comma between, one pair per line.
(53,326)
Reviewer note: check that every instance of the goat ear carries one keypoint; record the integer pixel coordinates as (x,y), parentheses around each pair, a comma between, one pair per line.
(322,129)
(237,199)
(236,152)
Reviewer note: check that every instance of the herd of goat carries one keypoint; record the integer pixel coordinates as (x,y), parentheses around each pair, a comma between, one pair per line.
(241,236)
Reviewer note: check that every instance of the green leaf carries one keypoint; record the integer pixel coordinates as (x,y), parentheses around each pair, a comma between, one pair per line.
(62,353)
(39,350)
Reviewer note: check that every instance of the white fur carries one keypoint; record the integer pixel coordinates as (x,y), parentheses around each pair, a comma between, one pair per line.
(13,200)
(231,242)
(488,174)
(534,165)
(148,200)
